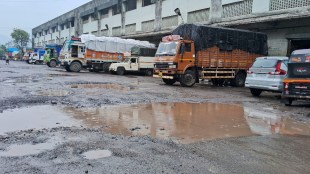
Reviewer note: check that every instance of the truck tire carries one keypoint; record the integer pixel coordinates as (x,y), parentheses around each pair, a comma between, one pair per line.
(239,80)
(48,64)
(52,63)
(169,81)
(67,68)
(75,67)
(255,92)
(148,72)
(120,71)
(188,79)
(37,62)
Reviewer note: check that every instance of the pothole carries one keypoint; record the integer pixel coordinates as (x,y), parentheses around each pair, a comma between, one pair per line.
(60,75)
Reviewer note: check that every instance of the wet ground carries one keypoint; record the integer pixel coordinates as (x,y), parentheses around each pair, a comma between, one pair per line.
(52,121)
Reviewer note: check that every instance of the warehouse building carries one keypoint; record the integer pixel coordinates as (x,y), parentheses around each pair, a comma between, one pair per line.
(286,22)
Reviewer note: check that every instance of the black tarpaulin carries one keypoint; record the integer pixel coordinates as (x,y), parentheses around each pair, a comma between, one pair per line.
(226,39)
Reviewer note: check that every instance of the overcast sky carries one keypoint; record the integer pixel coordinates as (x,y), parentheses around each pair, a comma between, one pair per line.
(27,14)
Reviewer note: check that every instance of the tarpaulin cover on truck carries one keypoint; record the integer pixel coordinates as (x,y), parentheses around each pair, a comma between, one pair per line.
(112,44)
(226,39)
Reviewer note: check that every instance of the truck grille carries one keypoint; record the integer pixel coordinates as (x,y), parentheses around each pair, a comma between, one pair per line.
(299,89)
(161,65)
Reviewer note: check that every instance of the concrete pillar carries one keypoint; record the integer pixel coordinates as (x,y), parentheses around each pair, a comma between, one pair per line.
(158,15)
(123,17)
(215,11)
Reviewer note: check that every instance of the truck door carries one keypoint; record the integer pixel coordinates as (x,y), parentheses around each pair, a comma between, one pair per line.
(81,52)
(134,64)
(186,55)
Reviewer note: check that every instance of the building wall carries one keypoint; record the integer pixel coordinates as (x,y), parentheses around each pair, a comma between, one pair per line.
(161,17)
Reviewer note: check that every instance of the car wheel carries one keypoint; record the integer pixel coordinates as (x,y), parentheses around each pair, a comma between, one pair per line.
(256,92)
(288,102)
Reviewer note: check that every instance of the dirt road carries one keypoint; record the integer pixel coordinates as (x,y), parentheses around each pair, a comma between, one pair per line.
(52,121)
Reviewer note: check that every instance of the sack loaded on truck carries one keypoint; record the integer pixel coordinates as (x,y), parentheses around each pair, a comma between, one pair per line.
(198,52)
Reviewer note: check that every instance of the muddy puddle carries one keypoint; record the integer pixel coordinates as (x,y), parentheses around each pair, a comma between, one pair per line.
(103,86)
(20,80)
(37,117)
(187,122)
(182,122)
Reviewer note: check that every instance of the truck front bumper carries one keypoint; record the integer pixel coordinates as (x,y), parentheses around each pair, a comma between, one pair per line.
(165,73)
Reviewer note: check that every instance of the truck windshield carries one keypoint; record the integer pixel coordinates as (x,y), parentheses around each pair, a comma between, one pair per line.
(167,49)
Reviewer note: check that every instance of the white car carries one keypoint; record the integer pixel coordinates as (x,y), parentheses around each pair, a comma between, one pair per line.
(266,74)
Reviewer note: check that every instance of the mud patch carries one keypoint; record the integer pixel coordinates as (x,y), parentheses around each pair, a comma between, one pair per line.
(37,117)
(61,75)
(20,80)
(97,154)
(54,93)
(186,122)
(103,86)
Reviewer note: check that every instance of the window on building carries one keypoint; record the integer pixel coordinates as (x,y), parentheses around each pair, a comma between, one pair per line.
(115,10)
(62,27)
(54,29)
(104,13)
(85,19)
(147,2)
(131,5)
(72,23)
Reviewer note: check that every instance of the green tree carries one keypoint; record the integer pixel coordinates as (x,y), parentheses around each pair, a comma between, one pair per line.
(20,38)
(2,50)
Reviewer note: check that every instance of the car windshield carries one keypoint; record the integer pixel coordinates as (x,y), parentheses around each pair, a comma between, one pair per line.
(167,49)
(265,63)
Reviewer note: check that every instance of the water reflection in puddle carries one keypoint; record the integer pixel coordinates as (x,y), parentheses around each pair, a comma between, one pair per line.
(187,122)
(37,117)
(184,122)
(97,154)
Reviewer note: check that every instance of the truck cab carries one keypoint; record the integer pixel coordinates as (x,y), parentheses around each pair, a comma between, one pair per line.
(175,61)
(141,60)
(51,55)
(72,55)
(297,81)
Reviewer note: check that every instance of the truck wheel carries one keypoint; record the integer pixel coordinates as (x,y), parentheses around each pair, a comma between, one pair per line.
(255,92)
(120,71)
(37,62)
(169,81)
(52,63)
(48,64)
(239,80)
(288,102)
(75,67)
(188,79)
(67,68)
(148,72)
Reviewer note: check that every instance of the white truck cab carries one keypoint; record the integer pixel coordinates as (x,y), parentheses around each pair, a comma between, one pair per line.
(142,60)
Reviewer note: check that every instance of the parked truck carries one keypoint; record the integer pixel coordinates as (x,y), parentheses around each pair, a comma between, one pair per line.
(197,52)
(141,60)
(51,54)
(96,53)
(37,56)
